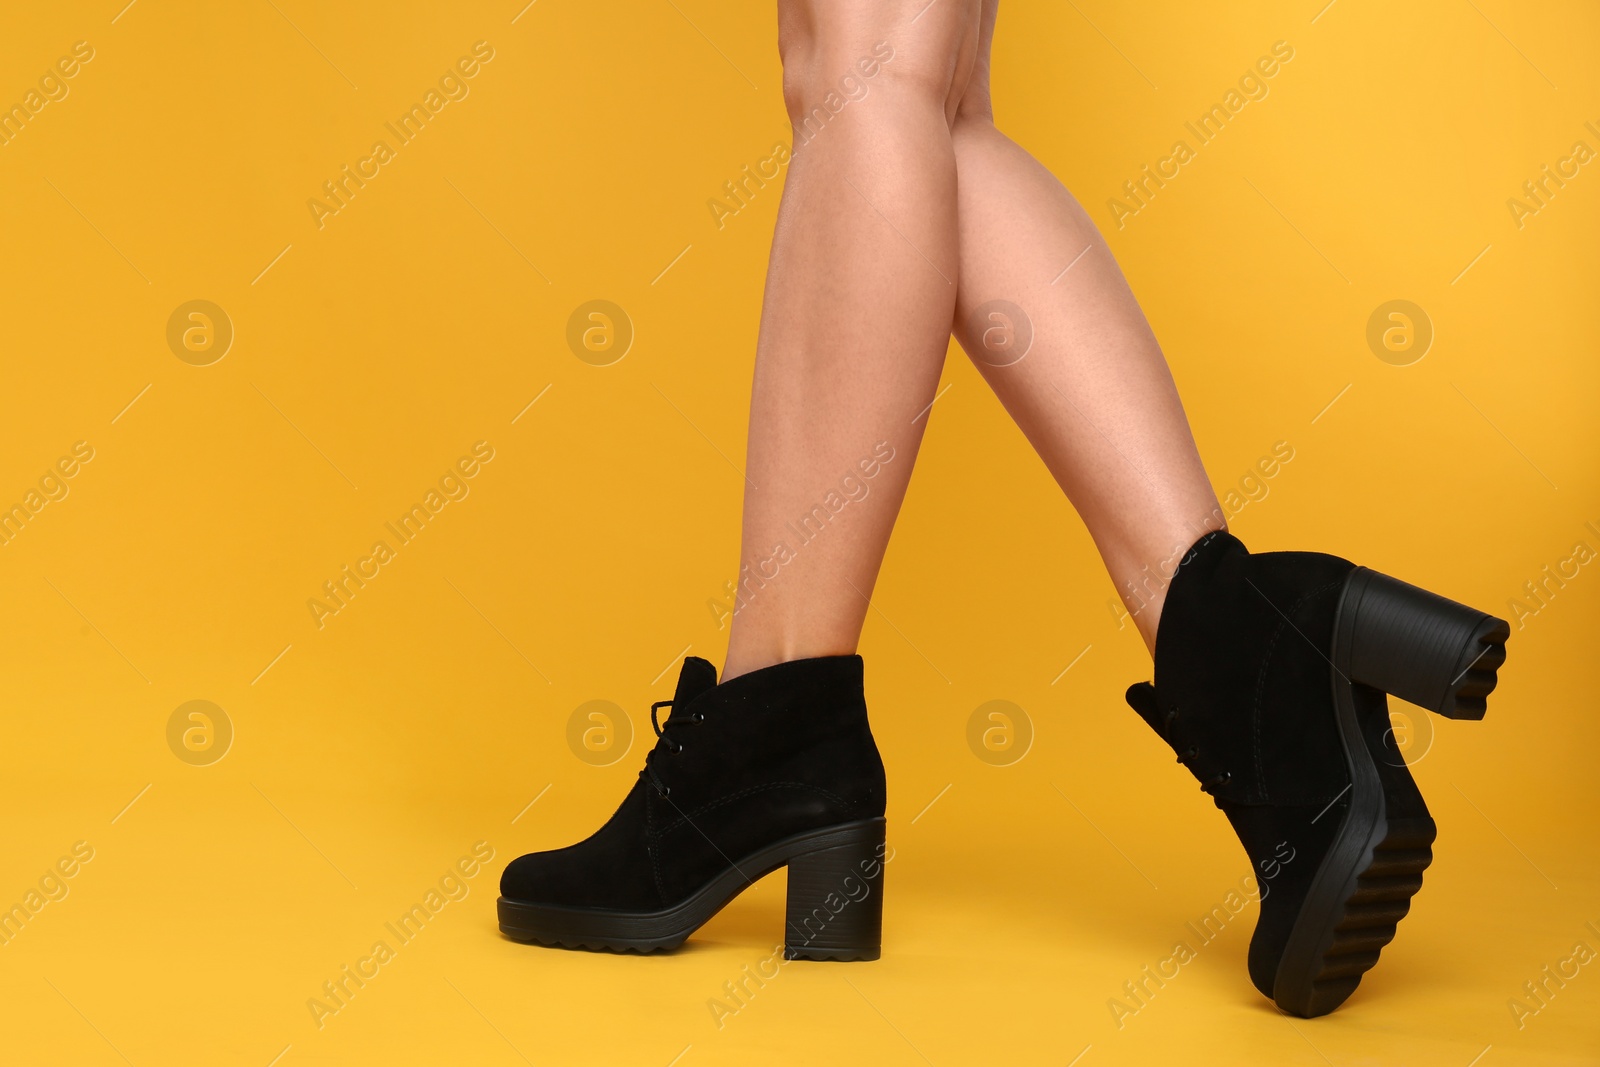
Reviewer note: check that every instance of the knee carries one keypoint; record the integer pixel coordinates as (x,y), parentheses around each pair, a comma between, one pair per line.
(820,78)
(837,51)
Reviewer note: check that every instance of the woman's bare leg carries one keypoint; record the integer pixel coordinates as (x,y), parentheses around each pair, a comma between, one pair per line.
(1092,393)
(860,293)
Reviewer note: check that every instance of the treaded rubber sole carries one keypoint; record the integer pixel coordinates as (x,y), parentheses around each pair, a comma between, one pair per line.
(1368,918)
(1389,637)
(834,909)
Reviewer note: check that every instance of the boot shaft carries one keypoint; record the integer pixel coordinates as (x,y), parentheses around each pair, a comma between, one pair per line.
(801,724)
(1241,655)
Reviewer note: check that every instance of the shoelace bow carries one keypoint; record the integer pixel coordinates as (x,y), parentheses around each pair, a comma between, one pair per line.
(665,743)
(1190,753)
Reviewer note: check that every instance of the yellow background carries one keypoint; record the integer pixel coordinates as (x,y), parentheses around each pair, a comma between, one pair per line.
(428,713)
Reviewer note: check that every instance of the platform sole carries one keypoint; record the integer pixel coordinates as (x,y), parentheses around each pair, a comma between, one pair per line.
(834,909)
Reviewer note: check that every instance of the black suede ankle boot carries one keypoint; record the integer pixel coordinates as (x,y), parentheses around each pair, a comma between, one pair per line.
(773,768)
(1270,679)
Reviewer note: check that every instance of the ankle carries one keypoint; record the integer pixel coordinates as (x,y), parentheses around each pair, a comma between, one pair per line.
(748,656)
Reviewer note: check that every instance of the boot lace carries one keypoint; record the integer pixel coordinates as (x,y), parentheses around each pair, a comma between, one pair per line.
(665,745)
(1189,754)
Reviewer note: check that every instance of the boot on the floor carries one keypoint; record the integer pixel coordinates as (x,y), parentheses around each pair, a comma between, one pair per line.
(1271,675)
(774,768)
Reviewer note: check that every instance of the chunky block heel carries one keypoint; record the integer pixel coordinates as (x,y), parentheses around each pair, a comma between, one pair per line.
(835,906)
(1419,646)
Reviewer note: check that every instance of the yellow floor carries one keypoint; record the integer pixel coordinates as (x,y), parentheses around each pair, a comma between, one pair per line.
(189,886)
(212,913)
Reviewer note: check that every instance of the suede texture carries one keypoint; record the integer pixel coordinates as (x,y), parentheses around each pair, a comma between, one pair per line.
(1243,658)
(776,752)
(1286,844)
(1242,655)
